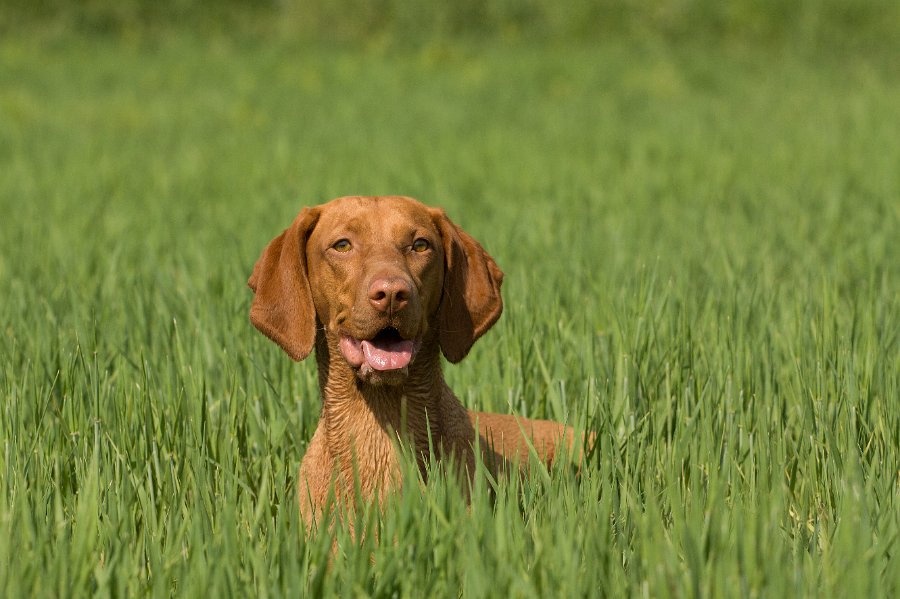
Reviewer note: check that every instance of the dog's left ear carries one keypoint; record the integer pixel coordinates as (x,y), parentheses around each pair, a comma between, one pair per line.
(282,306)
(471,301)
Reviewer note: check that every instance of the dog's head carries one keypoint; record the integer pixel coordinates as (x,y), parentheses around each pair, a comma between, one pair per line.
(382,276)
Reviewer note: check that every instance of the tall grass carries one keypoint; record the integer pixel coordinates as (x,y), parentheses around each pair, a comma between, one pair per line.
(701,268)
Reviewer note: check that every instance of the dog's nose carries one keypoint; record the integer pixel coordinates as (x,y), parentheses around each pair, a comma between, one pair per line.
(389,294)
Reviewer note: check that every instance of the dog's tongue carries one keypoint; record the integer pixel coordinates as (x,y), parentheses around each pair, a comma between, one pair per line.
(388,355)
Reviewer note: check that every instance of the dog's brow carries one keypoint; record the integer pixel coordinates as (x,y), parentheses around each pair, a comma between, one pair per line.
(355,225)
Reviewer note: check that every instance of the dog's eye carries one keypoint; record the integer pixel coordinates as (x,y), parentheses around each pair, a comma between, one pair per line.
(341,245)
(420,245)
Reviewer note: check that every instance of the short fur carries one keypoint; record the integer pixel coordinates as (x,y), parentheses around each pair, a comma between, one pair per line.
(311,295)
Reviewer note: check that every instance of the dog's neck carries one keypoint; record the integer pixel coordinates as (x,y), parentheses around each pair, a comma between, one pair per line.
(365,424)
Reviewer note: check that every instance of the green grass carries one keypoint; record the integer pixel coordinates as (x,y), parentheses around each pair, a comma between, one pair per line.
(701,259)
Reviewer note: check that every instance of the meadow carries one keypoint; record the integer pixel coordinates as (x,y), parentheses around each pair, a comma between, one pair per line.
(696,236)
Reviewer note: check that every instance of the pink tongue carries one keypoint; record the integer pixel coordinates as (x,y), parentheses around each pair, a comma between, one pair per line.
(388,355)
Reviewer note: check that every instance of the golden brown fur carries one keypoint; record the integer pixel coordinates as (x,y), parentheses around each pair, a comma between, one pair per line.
(380,287)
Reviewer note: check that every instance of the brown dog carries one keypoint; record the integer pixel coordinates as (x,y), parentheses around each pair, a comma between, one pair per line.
(380,286)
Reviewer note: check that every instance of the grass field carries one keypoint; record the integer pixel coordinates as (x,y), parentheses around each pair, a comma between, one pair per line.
(697,242)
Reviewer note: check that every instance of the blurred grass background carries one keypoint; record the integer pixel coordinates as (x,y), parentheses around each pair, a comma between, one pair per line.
(816,25)
(695,204)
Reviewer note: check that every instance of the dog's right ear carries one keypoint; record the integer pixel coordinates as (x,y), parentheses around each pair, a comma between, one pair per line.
(282,306)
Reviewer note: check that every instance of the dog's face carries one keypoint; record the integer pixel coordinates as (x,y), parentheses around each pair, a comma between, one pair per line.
(384,276)
(376,272)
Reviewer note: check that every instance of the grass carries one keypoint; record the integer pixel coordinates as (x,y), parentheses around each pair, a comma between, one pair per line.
(697,243)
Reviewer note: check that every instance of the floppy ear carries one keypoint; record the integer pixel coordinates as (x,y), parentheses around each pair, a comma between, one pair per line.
(282,305)
(471,301)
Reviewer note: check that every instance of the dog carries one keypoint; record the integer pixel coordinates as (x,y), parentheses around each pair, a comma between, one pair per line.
(380,287)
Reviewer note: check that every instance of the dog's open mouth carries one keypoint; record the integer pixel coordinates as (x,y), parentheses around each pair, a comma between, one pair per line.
(387,350)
